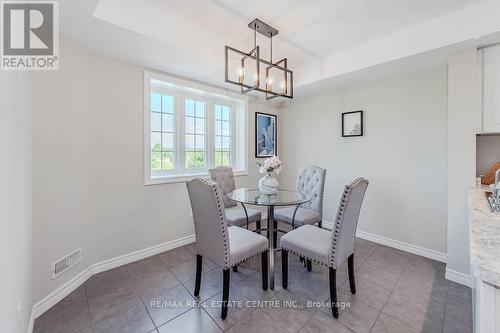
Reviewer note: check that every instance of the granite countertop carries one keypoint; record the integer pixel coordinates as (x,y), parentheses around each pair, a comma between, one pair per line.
(484,237)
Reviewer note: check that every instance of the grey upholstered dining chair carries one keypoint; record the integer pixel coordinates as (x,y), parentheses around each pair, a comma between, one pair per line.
(329,248)
(235,215)
(225,246)
(311,183)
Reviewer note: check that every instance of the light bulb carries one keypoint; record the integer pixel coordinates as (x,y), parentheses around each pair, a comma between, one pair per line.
(283,87)
(256,78)
(269,83)
(240,72)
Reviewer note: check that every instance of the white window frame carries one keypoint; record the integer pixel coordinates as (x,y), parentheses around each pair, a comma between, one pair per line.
(233,129)
(182,89)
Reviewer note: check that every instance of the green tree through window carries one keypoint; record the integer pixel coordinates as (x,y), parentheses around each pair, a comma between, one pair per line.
(195,134)
(222,137)
(162,132)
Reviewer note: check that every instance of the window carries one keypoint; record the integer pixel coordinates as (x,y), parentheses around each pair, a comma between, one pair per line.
(190,128)
(222,135)
(162,133)
(195,152)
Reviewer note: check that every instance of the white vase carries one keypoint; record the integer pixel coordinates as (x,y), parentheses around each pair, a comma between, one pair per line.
(268,184)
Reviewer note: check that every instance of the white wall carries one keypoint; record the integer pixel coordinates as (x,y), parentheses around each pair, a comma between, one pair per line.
(88,185)
(403,152)
(15,200)
(462,126)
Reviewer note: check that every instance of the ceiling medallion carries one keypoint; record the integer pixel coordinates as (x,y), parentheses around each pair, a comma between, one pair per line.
(246,67)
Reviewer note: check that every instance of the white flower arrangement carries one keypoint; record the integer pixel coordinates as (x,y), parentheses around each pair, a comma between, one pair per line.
(270,165)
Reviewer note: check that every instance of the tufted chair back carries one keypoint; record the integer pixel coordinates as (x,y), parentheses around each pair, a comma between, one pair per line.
(224,177)
(210,223)
(311,182)
(346,221)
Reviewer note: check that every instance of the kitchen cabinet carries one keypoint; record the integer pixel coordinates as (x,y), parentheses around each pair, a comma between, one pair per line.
(491,89)
(486,308)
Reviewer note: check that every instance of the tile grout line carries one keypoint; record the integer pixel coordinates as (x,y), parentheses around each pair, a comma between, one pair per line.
(272,319)
(370,306)
(297,297)
(379,311)
(387,314)
(246,315)
(307,322)
(209,316)
(392,292)
(210,270)
(445,306)
(446,299)
(142,301)
(216,323)
(180,283)
(180,314)
(88,306)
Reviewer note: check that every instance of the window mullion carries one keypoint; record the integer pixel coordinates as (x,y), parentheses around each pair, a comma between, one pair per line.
(147,130)
(210,137)
(182,134)
(233,135)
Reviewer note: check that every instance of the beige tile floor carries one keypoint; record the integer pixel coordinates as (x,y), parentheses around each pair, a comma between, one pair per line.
(396,292)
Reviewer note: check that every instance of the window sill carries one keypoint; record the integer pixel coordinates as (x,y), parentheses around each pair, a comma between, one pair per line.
(184,178)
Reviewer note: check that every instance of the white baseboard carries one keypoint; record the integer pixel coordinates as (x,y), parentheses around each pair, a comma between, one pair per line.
(50,300)
(451,275)
(458,277)
(415,249)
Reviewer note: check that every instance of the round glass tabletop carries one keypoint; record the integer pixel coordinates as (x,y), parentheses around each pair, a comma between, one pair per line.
(253,196)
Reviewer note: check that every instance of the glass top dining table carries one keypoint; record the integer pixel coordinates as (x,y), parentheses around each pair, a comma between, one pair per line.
(283,197)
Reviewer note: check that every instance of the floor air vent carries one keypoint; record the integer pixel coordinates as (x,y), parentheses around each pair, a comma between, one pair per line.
(65,263)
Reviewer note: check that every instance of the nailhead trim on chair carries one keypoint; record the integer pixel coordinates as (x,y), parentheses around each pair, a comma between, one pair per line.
(302,255)
(283,221)
(340,213)
(251,256)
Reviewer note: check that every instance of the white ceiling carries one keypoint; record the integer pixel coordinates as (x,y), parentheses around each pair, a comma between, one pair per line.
(314,28)
(187,37)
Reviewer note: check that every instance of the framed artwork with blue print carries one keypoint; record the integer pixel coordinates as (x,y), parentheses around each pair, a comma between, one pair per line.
(266,135)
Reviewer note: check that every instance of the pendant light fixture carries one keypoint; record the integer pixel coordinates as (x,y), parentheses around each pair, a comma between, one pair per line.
(253,73)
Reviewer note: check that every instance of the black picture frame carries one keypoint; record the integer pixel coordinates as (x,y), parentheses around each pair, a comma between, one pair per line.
(344,114)
(275,150)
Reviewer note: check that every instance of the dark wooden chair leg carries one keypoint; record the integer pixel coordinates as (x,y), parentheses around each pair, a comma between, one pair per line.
(350,265)
(275,234)
(258,226)
(309,265)
(320,224)
(235,268)
(225,293)
(333,292)
(263,258)
(197,283)
(284,268)
(268,231)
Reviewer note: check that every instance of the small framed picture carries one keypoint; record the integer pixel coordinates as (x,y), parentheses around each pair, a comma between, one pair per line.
(266,135)
(352,123)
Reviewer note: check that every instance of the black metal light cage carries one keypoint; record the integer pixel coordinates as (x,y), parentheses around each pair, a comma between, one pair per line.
(268,31)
